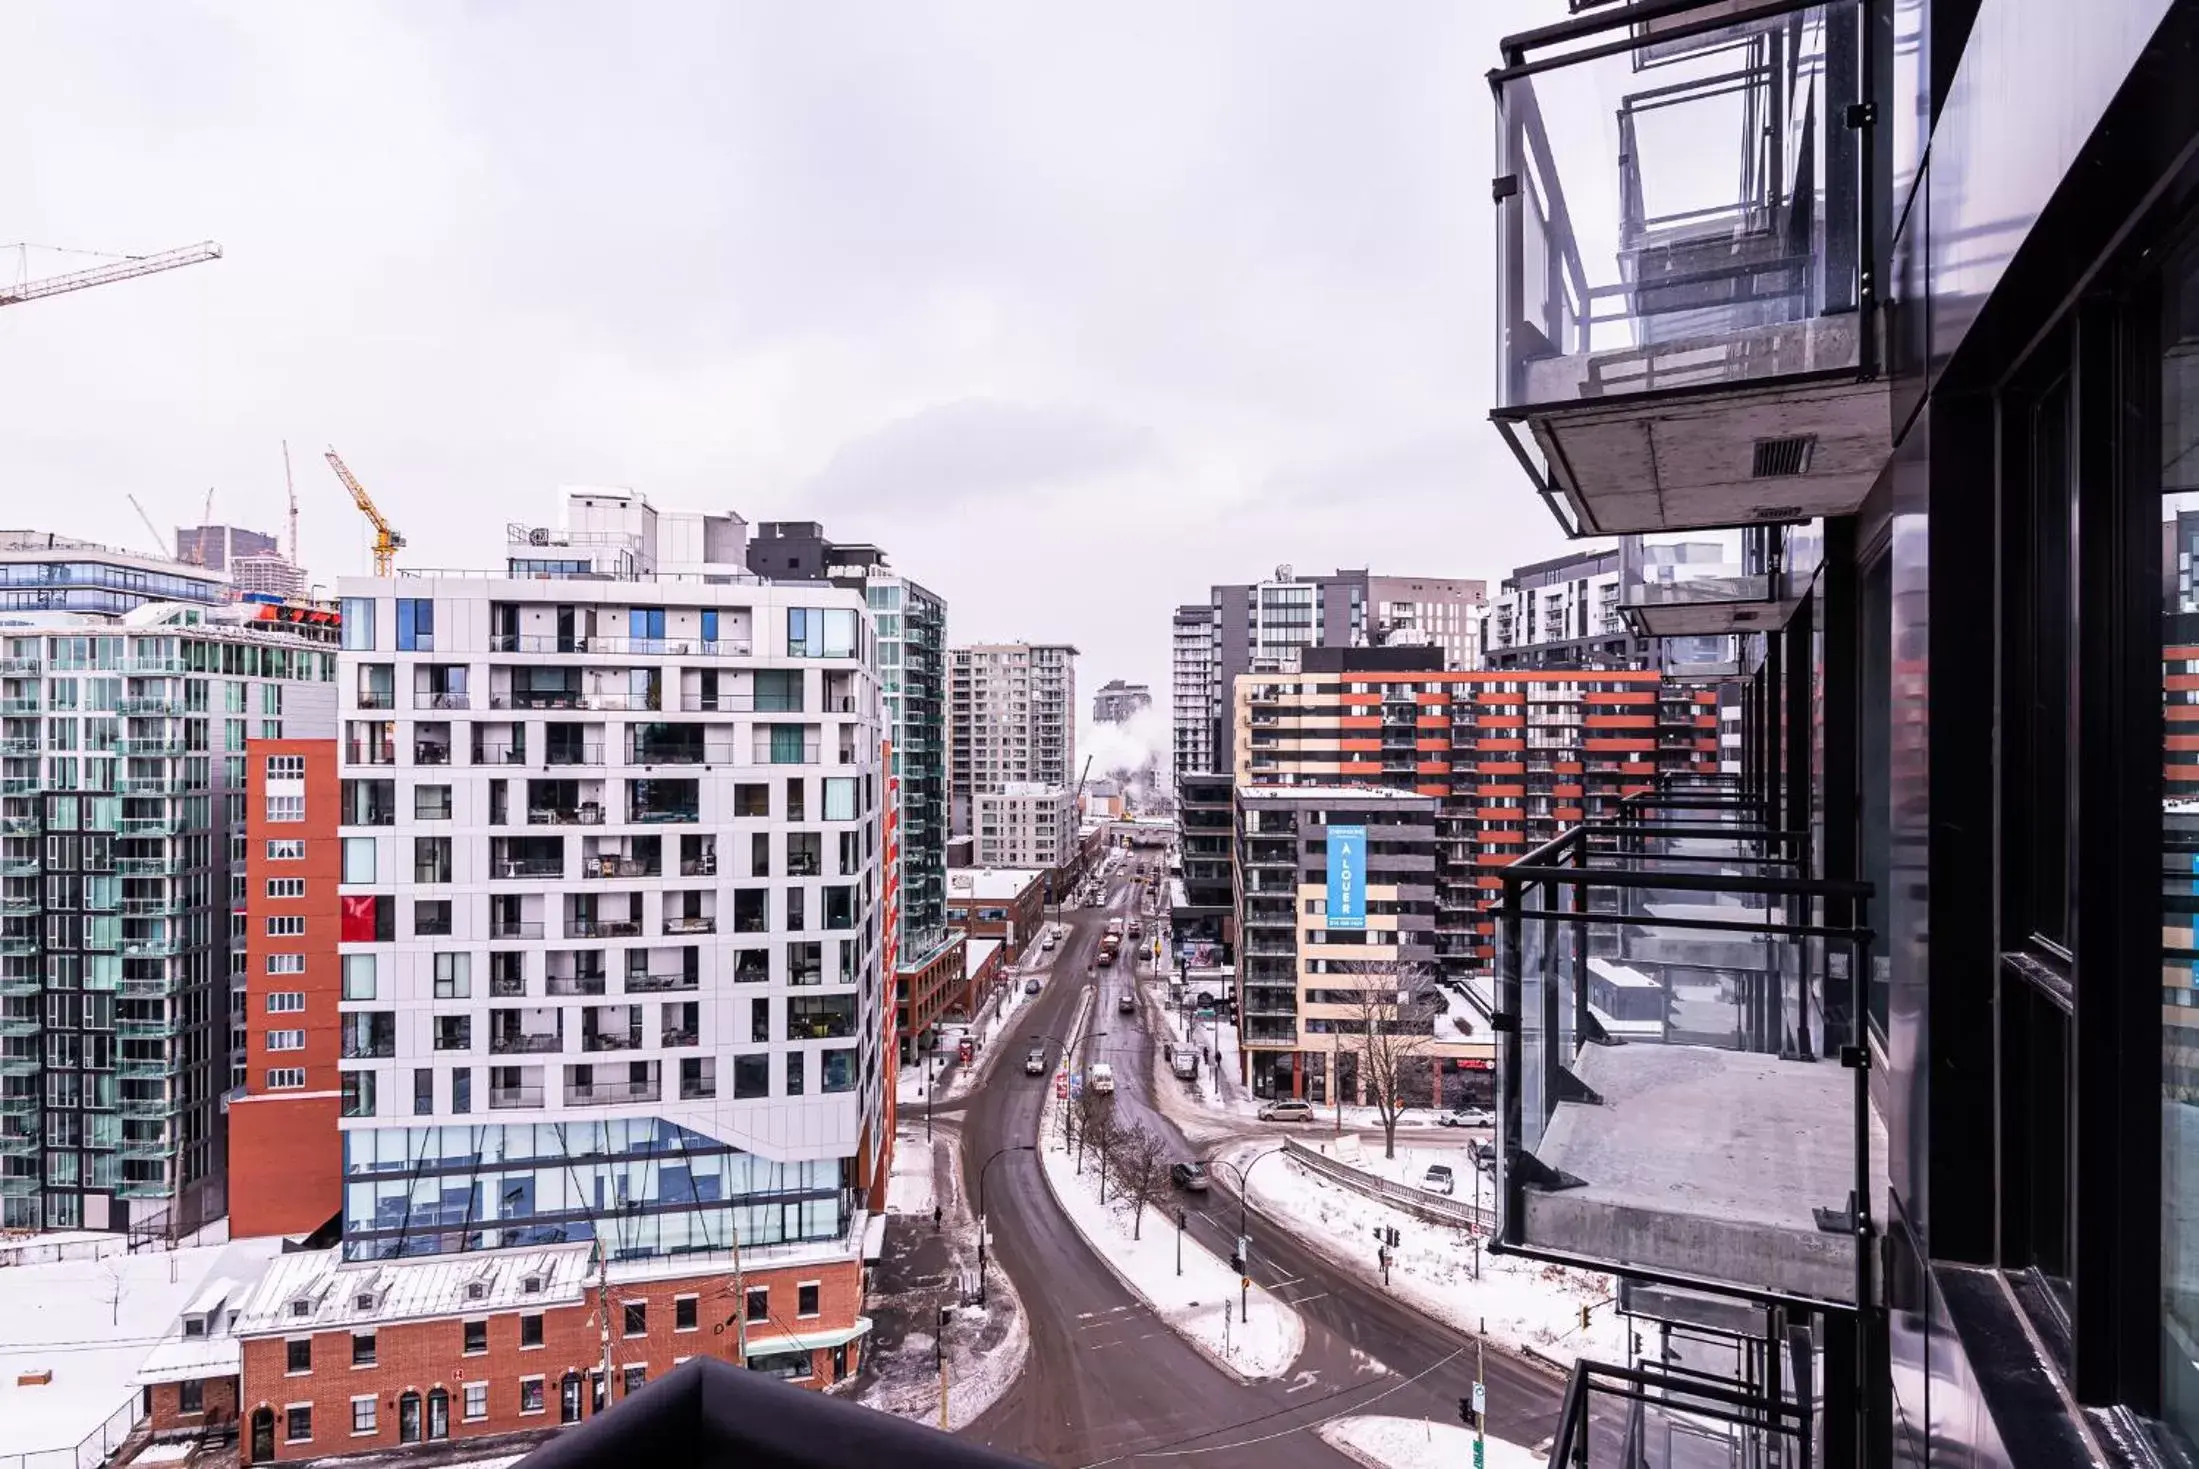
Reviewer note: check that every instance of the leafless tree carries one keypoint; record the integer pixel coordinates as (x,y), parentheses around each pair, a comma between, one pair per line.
(1092,1112)
(1141,1171)
(114,1284)
(1106,1134)
(1394,1021)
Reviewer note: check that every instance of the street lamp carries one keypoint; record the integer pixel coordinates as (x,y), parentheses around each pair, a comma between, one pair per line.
(1244,1235)
(982,1170)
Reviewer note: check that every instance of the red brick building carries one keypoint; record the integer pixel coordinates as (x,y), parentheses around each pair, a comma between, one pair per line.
(342,1359)
(1005,903)
(285,1159)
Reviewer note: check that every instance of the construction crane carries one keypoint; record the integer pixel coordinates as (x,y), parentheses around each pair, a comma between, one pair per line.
(386,539)
(291,487)
(123,268)
(160,545)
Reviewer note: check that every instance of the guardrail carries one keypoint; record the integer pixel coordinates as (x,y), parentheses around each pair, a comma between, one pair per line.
(96,1448)
(1435,1208)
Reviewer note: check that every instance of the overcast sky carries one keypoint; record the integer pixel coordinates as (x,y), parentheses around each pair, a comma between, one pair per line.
(1075,309)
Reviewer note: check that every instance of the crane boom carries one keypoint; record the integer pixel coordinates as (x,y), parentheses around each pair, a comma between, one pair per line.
(161,546)
(386,539)
(128,268)
(290,486)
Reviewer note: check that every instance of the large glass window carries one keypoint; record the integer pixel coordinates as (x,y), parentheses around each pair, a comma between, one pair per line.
(358,622)
(415,625)
(2180,842)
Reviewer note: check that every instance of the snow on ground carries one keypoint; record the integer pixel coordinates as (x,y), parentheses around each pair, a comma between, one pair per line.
(91,1322)
(1523,1304)
(909,1189)
(1412,1162)
(1201,1304)
(1416,1443)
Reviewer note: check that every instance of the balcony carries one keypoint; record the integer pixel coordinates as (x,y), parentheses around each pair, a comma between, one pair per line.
(163,706)
(611,1093)
(524,1042)
(529,867)
(610,867)
(514,1098)
(644,982)
(567,986)
(446,699)
(586,813)
(698,924)
(514,928)
(1703,584)
(579,927)
(580,754)
(157,745)
(148,1107)
(1617,1417)
(1684,332)
(149,826)
(147,866)
(1673,1016)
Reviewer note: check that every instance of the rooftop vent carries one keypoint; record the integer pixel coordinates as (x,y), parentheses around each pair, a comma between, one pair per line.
(1779,458)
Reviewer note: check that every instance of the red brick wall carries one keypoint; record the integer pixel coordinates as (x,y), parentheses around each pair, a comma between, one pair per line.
(419,1356)
(285,1159)
(217,1403)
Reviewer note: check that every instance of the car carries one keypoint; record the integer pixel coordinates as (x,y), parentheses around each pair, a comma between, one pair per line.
(1034,1061)
(1101,1078)
(1126,1004)
(1107,957)
(1191,1176)
(1286,1111)
(1030,986)
(1051,940)
(1438,1179)
(1468,1117)
(1484,1155)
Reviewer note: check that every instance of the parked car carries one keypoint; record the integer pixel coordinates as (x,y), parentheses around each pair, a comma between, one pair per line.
(1484,1155)
(1190,1176)
(1051,940)
(1030,986)
(1469,1117)
(1126,1004)
(1286,1111)
(1438,1179)
(1034,1061)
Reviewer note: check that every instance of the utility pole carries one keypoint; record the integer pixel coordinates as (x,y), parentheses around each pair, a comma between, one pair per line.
(944,1316)
(740,1291)
(603,1292)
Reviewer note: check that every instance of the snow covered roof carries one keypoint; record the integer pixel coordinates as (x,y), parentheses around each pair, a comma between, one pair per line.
(991,884)
(314,1290)
(976,954)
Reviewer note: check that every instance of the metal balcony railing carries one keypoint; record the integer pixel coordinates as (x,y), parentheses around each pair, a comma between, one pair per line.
(1659,1418)
(1684,1059)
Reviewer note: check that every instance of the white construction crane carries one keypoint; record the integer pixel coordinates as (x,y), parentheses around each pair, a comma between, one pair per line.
(118,268)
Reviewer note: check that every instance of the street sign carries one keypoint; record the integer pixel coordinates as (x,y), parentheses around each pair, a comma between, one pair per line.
(1204,1014)
(1061,1086)
(1481,1399)
(1477,1454)
(1076,1085)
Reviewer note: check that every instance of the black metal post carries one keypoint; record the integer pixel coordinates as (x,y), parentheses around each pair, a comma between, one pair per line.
(1179,1241)
(983,1169)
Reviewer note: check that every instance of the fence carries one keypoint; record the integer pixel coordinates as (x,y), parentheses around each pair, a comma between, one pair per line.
(96,1449)
(1435,1208)
(49,1252)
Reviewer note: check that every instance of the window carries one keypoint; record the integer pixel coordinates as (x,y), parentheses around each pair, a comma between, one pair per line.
(477,1400)
(475,1335)
(415,625)
(839,1070)
(759,1303)
(289,849)
(286,1040)
(362,1415)
(284,1002)
(530,1331)
(751,1077)
(286,887)
(357,1088)
(453,1032)
(423,1091)
(683,1313)
(820,632)
(358,976)
(286,808)
(358,853)
(286,767)
(286,963)
(453,976)
(636,1378)
(285,925)
(362,1349)
(285,1078)
(794,1069)
(431,861)
(298,1423)
(358,622)
(839,798)
(298,1356)
(431,803)
(637,1318)
(461,1090)
(792,1366)
(431,918)
(530,1395)
(191,1396)
(805,1299)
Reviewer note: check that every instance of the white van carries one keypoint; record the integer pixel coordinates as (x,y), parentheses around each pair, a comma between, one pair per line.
(1101,1078)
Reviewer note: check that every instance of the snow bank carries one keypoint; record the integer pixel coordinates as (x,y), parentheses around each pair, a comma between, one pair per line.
(1416,1443)
(1522,1304)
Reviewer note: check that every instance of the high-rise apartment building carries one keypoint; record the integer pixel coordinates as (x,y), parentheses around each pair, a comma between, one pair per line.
(1116,701)
(1012,719)
(1195,711)
(1902,1085)
(124,742)
(1024,824)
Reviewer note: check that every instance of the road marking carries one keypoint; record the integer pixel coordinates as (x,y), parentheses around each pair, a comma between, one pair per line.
(1303,1380)
(1301,1300)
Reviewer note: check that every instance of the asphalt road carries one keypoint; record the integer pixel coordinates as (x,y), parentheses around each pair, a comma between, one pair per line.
(1106,1382)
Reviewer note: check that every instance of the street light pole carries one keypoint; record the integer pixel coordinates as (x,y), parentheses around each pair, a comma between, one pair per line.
(981,1172)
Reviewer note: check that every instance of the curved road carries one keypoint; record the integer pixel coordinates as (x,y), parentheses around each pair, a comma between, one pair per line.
(1106,1382)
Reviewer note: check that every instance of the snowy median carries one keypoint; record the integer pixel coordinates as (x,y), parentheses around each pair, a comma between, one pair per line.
(1134,1231)
(1415,1443)
(1442,1272)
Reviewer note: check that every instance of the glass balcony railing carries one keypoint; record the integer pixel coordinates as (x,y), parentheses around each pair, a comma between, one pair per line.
(1682,207)
(1682,1027)
(1652,1417)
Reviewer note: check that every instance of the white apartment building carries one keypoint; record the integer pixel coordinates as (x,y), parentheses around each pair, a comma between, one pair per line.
(1012,718)
(1024,824)
(611,903)
(1195,696)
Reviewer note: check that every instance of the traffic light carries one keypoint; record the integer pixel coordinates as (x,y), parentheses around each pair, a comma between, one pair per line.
(1584,1318)
(1466,1413)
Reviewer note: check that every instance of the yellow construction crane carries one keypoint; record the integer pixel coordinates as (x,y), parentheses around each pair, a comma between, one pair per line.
(386,539)
(122,268)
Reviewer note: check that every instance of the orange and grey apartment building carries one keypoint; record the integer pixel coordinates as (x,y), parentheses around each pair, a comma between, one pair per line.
(1508,759)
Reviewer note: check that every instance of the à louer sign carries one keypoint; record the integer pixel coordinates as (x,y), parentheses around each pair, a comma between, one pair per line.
(1347,905)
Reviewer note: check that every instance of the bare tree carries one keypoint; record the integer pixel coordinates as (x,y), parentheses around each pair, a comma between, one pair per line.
(114,1285)
(1394,1022)
(1141,1171)
(1106,1133)
(1092,1111)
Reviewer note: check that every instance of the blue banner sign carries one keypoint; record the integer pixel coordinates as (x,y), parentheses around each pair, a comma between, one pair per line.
(1347,903)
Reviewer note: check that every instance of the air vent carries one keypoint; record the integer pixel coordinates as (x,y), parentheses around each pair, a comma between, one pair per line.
(1778,458)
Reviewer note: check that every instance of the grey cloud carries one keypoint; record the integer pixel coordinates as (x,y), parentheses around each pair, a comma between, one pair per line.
(977,449)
